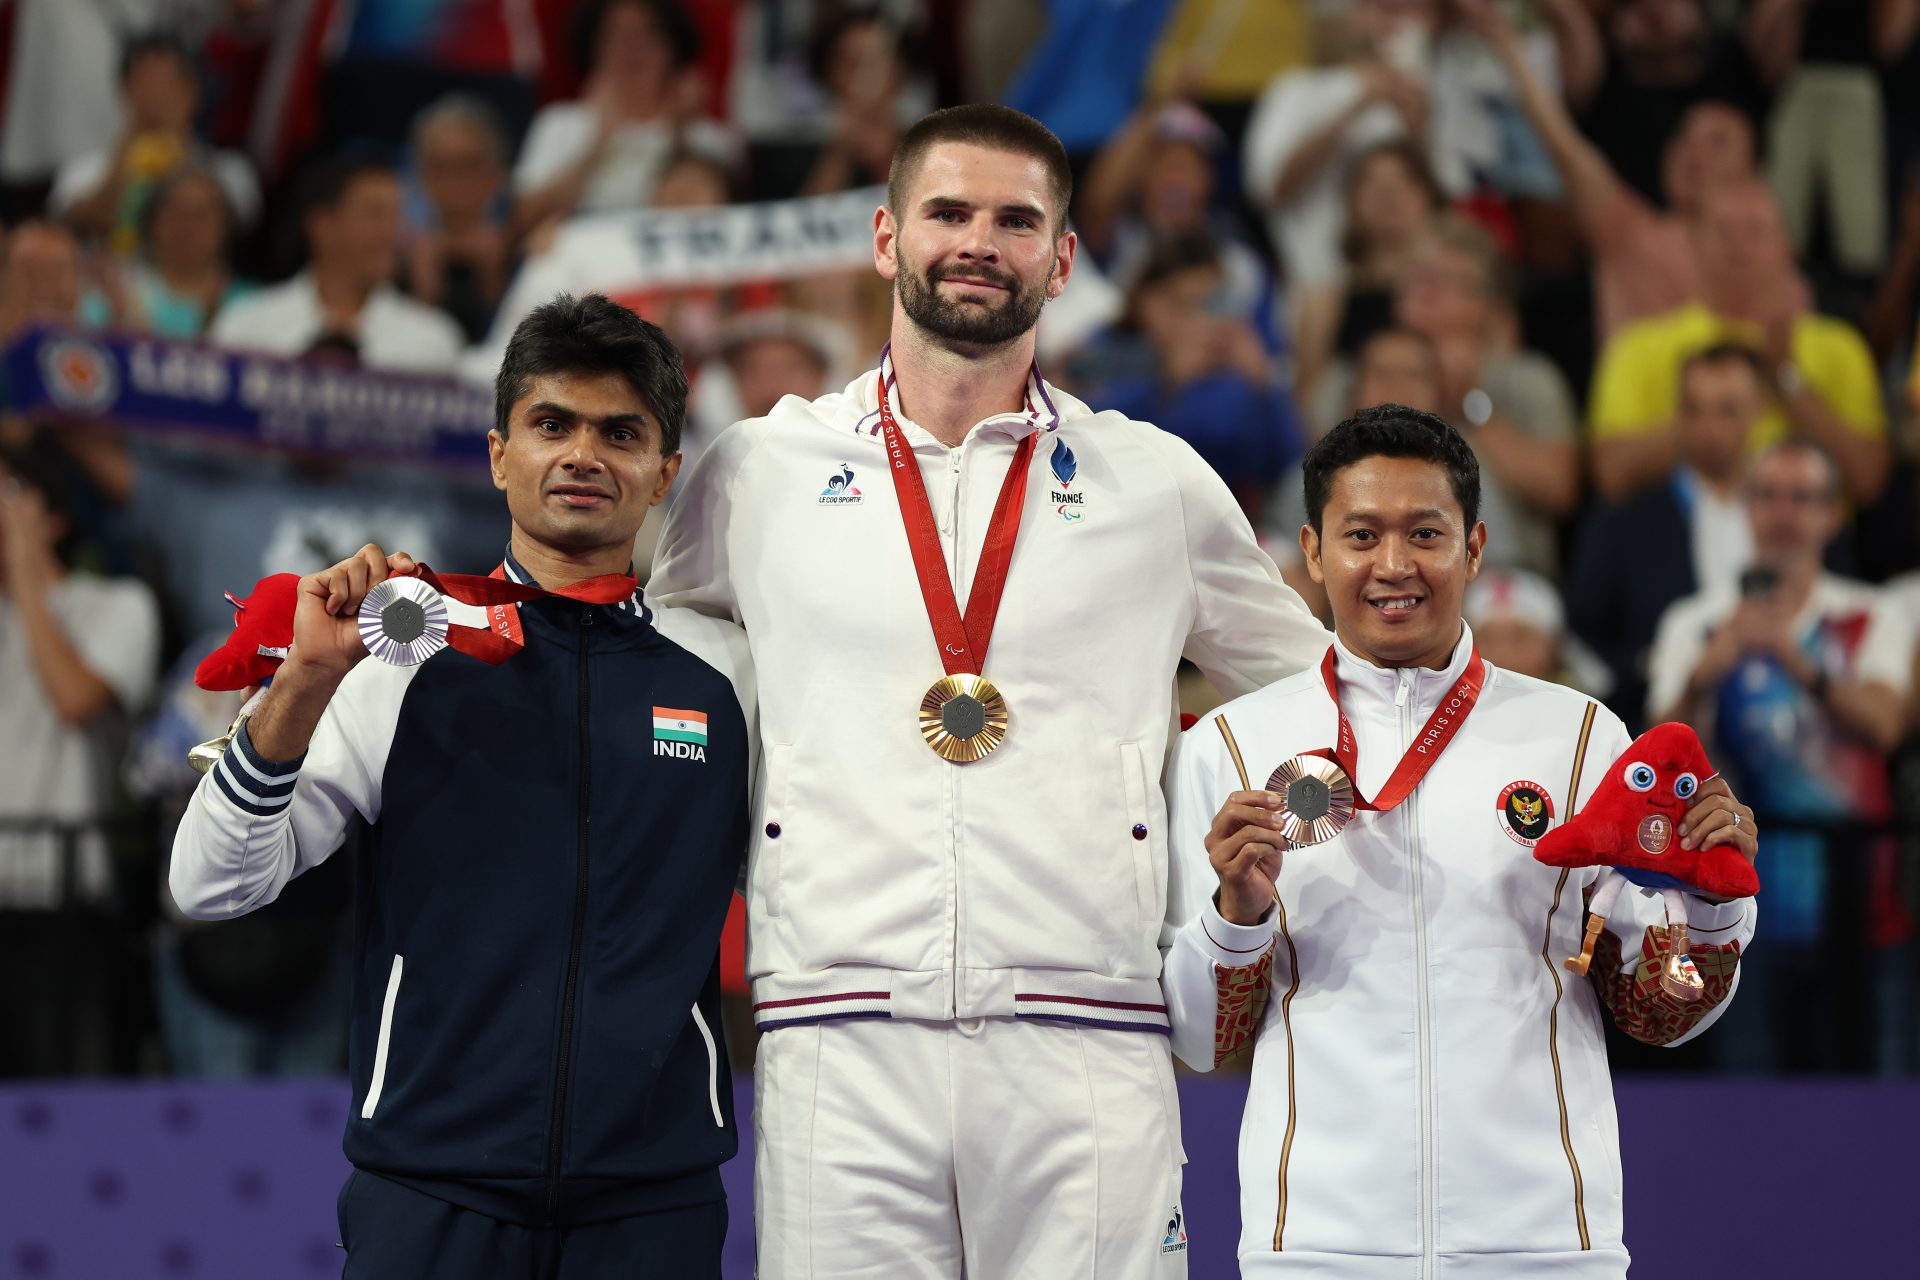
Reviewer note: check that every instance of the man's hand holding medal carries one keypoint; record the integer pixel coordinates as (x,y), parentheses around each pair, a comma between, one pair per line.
(1245,847)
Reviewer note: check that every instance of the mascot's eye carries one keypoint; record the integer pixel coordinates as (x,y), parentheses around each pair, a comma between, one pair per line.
(1639,776)
(1685,785)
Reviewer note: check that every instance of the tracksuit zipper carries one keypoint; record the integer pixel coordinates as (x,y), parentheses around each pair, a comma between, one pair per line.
(952,779)
(1422,997)
(556,1121)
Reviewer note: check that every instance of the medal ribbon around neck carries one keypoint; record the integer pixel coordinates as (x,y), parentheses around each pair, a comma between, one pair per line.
(1439,730)
(962,717)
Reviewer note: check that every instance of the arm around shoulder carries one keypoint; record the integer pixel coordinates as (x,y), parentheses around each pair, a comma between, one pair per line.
(1249,627)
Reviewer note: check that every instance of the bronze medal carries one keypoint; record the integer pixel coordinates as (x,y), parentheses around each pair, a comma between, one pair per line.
(963,718)
(1316,799)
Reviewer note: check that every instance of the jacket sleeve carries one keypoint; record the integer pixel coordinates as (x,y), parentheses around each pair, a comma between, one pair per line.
(1628,955)
(253,824)
(1249,627)
(692,565)
(1216,976)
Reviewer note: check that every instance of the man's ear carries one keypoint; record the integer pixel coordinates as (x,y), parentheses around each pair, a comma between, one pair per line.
(661,487)
(1310,552)
(1476,549)
(497,457)
(886,238)
(1063,257)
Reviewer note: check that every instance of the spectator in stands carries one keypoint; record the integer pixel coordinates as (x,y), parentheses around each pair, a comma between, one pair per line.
(182,277)
(103,192)
(641,102)
(693,180)
(1184,360)
(352,225)
(859,58)
(1659,59)
(1645,261)
(1419,74)
(774,354)
(77,656)
(1636,558)
(1799,680)
(456,250)
(1519,625)
(44,281)
(1311,123)
(1511,403)
(1820,368)
(1157,179)
(1826,135)
(1392,199)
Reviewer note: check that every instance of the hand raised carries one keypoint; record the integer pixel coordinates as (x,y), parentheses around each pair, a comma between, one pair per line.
(1244,847)
(326,623)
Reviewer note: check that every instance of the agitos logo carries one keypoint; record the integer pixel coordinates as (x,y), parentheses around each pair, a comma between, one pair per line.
(1526,811)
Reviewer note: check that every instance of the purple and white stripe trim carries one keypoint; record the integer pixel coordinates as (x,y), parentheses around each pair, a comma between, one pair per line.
(1118,1015)
(801,1011)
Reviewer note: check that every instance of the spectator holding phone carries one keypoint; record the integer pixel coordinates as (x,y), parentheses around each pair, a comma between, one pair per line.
(1798,681)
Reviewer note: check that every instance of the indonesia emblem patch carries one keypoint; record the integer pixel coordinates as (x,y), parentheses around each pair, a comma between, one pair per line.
(1526,811)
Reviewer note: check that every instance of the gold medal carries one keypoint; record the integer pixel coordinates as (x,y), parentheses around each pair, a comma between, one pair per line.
(963,718)
(1316,799)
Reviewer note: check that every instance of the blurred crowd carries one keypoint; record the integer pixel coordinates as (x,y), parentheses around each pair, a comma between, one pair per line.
(1659,260)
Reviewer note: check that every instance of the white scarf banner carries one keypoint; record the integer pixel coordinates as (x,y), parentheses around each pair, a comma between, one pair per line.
(680,248)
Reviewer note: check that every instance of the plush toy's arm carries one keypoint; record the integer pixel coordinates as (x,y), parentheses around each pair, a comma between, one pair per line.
(1631,950)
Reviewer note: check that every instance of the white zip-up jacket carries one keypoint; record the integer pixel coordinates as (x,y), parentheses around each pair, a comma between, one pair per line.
(1430,1093)
(882,880)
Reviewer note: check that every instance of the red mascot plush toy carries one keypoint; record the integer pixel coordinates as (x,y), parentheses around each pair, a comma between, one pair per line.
(1631,825)
(262,634)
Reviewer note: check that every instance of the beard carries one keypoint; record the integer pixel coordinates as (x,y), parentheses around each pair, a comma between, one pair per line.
(976,324)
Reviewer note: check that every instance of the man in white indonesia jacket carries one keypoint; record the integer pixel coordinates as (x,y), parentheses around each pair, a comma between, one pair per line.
(957,964)
(1429,1093)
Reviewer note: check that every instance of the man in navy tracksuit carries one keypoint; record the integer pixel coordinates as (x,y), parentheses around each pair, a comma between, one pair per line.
(539,1087)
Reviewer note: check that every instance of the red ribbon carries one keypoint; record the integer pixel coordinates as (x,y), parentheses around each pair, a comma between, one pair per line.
(502,636)
(1439,730)
(962,639)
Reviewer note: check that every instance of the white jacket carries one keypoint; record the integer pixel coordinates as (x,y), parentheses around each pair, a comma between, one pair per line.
(1430,1092)
(884,881)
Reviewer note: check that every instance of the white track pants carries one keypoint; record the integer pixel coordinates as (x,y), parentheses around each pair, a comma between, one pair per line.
(898,1150)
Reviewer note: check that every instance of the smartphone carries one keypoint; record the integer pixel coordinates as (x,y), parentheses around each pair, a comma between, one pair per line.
(1758,580)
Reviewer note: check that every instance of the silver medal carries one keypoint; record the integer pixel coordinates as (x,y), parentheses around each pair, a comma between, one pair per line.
(403,621)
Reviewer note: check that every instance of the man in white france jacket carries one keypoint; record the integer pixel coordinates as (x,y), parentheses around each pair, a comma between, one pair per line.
(1430,1092)
(957,965)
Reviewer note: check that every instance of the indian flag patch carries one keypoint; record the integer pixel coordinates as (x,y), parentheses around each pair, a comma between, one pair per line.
(671,724)
(680,734)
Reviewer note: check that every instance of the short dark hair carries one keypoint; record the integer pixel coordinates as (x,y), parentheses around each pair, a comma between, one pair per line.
(1413,158)
(1726,353)
(157,196)
(593,334)
(677,28)
(982,124)
(1392,431)
(326,184)
(145,46)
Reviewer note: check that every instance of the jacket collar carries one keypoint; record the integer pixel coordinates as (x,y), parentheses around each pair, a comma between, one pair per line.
(1365,687)
(1039,409)
(633,607)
